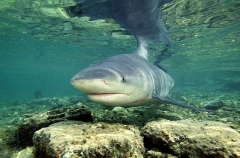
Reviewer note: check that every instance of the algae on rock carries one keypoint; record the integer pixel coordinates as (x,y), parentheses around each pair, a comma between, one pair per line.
(88,140)
(31,124)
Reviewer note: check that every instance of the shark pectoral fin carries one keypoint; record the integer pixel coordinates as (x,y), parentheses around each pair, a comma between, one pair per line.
(170,101)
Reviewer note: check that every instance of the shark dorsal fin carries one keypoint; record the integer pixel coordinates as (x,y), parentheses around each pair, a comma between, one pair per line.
(142,48)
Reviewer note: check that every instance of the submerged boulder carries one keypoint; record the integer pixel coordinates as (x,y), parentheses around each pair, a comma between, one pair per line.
(189,139)
(35,122)
(158,139)
(74,139)
(24,153)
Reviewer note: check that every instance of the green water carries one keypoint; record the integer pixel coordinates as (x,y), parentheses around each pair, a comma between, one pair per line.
(43,45)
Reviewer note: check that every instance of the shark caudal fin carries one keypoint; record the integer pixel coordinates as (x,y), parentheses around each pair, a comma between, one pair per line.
(142,47)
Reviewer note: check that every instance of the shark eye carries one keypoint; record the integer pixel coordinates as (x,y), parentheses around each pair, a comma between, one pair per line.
(123,79)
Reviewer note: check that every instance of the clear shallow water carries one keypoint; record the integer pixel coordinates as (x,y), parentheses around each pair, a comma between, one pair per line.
(44,43)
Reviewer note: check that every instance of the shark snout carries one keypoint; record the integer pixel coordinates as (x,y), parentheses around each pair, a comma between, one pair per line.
(95,78)
(92,85)
(96,73)
(98,80)
(77,77)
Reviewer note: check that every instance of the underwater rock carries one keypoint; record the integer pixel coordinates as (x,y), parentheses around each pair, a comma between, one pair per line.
(157,154)
(120,110)
(138,116)
(31,124)
(39,101)
(59,102)
(187,138)
(215,106)
(25,153)
(53,102)
(169,115)
(76,99)
(88,140)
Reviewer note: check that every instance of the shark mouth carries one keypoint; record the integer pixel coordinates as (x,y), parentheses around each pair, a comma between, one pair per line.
(104,94)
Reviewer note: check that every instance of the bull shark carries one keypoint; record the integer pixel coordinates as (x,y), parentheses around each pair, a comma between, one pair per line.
(126,80)
(143,18)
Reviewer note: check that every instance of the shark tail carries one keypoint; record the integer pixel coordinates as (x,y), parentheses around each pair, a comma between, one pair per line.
(142,47)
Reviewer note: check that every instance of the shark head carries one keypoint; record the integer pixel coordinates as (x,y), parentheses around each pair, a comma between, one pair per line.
(116,81)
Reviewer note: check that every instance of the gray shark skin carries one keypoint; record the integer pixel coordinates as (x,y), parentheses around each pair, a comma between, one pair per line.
(143,18)
(126,80)
(129,75)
